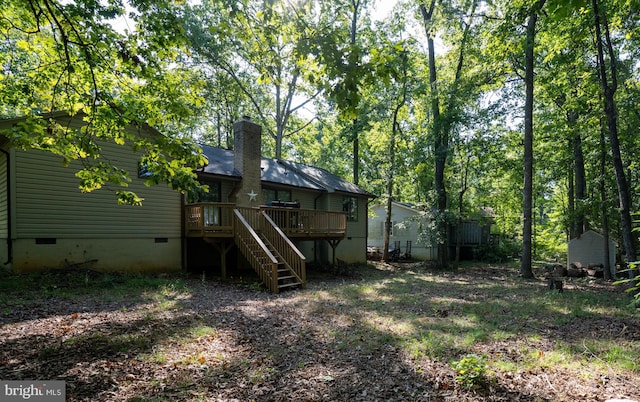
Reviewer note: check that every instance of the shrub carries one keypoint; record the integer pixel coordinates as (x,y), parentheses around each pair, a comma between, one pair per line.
(502,250)
(633,283)
(471,370)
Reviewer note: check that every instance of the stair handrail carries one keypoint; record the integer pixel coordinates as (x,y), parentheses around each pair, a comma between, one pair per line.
(287,249)
(269,278)
(284,237)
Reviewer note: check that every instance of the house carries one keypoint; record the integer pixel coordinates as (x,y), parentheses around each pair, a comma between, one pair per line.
(278,215)
(407,231)
(589,249)
(410,231)
(322,215)
(46,222)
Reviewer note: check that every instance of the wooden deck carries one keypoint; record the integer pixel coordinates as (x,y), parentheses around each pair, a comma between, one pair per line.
(215,220)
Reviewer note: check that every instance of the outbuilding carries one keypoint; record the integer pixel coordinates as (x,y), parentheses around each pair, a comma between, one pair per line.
(589,249)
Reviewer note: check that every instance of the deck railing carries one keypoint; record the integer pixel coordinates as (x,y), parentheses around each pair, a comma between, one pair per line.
(256,252)
(297,222)
(216,220)
(293,258)
(211,219)
(249,226)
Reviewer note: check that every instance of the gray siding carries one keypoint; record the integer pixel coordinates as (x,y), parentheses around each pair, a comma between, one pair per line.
(306,198)
(354,228)
(354,247)
(226,188)
(49,203)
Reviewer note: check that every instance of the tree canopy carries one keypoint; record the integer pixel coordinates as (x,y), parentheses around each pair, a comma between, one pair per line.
(67,57)
(524,108)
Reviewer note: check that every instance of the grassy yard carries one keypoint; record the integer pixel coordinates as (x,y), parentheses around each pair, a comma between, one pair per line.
(377,332)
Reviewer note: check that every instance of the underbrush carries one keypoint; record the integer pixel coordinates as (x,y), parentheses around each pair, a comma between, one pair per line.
(72,284)
(477,330)
(444,316)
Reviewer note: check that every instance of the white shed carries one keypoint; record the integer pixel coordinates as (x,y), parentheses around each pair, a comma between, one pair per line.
(589,249)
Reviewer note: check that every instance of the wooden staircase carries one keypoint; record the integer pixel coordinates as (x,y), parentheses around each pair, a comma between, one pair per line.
(287,278)
(270,253)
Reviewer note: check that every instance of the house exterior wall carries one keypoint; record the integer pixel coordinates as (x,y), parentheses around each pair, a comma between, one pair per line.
(57,226)
(405,228)
(100,254)
(589,249)
(353,248)
(306,198)
(226,189)
(308,249)
(323,202)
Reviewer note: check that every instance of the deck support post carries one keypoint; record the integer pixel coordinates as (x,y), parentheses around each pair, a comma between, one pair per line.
(223,248)
(334,243)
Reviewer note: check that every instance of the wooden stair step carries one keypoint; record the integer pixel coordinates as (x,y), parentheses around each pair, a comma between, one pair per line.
(283,278)
(288,285)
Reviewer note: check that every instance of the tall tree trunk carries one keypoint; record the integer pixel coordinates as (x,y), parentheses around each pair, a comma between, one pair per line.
(354,124)
(279,127)
(440,141)
(571,197)
(609,90)
(356,153)
(395,130)
(388,221)
(527,231)
(581,186)
(603,204)
(579,219)
(442,123)
(219,128)
(464,185)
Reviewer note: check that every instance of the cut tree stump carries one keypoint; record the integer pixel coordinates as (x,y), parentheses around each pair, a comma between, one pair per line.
(555,284)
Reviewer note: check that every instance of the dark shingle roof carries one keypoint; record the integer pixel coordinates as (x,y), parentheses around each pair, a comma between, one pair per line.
(220,162)
(281,172)
(329,181)
(274,171)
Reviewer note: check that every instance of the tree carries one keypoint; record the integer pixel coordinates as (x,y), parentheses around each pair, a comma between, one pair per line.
(607,269)
(464,187)
(265,48)
(609,81)
(439,134)
(445,113)
(345,70)
(525,268)
(399,76)
(61,56)
(354,59)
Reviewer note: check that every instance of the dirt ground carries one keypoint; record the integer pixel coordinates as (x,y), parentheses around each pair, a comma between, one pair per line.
(233,342)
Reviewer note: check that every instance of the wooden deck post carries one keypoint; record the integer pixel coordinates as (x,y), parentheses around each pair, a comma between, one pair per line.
(334,243)
(223,248)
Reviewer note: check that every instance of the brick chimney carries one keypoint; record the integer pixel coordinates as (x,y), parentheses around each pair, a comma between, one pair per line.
(246,160)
